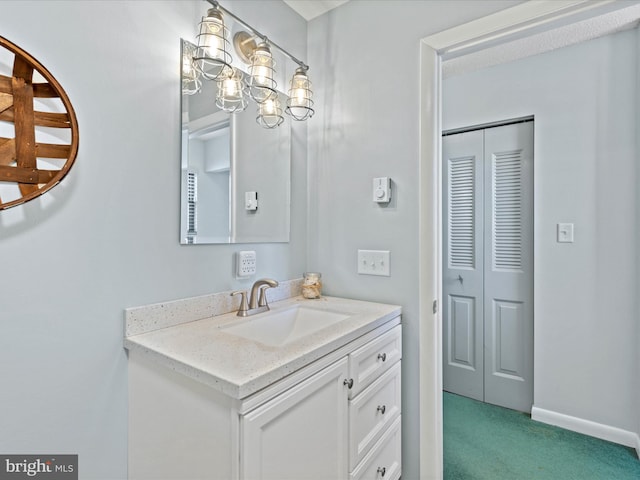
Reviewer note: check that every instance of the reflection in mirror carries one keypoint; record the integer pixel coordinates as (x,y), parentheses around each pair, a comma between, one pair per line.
(225,159)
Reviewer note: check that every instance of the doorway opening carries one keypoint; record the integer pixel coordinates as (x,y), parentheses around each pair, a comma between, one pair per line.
(487,264)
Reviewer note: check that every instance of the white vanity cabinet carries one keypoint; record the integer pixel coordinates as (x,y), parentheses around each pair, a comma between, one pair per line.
(337,417)
(301,433)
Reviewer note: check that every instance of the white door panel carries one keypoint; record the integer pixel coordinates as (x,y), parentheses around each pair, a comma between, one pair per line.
(463,363)
(488,265)
(508,273)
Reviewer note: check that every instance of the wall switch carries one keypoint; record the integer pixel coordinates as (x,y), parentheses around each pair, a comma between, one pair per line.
(246,263)
(373,262)
(251,201)
(565,233)
(382,189)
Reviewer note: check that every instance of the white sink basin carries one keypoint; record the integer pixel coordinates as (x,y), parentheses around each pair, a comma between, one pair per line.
(277,328)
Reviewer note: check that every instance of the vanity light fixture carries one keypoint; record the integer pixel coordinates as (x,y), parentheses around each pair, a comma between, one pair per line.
(261,85)
(299,103)
(191,83)
(230,96)
(270,113)
(212,57)
(214,62)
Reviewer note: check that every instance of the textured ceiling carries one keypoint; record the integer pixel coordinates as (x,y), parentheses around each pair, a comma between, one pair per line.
(599,26)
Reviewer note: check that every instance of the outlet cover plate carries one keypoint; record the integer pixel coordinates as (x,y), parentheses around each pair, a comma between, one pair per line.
(374,262)
(246,263)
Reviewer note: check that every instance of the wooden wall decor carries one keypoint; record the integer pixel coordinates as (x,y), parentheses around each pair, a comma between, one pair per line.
(34,158)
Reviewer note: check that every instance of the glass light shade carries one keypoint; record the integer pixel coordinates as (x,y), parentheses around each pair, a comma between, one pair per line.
(190,82)
(212,56)
(261,83)
(299,103)
(230,96)
(270,113)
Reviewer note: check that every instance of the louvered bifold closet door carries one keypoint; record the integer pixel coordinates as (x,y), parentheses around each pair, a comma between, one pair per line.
(508,272)
(463,264)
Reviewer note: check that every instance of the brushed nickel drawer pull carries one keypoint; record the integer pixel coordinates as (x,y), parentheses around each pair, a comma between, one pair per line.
(381,471)
(348,382)
(382,356)
(382,409)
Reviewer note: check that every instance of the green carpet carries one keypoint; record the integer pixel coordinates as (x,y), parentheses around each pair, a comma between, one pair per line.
(485,442)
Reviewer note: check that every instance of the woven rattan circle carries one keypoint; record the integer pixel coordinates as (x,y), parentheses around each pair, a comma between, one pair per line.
(27,161)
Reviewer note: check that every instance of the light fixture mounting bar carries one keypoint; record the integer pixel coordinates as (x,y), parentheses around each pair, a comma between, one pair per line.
(264,38)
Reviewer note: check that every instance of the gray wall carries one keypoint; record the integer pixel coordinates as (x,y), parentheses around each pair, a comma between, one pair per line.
(106,238)
(364,59)
(638,239)
(586,321)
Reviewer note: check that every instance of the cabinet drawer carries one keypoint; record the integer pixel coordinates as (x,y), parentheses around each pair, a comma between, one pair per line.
(371,413)
(383,462)
(372,359)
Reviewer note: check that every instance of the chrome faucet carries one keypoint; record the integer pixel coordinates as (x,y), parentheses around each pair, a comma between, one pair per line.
(258,299)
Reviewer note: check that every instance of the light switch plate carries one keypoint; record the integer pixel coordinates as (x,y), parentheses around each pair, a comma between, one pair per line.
(565,233)
(374,262)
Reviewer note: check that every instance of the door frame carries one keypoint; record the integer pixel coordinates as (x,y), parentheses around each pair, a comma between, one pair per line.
(515,23)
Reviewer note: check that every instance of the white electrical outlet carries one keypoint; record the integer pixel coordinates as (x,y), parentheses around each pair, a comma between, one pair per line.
(246,263)
(374,262)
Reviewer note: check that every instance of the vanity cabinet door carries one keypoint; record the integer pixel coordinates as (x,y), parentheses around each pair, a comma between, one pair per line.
(301,434)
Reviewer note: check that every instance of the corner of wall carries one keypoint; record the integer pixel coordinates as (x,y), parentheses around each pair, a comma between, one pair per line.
(637,402)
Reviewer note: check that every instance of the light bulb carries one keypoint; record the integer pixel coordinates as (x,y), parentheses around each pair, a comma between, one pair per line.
(229,86)
(269,107)
(261,68)
(298,98)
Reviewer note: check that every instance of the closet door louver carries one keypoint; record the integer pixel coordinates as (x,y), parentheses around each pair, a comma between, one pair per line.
(507,210)
(462,212)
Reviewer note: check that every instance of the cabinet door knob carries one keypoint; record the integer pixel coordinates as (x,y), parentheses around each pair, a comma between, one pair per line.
(348,382)
(382,356)
(381,471)
(382,409)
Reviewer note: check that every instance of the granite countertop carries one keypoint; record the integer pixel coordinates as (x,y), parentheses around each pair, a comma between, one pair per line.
(239,367)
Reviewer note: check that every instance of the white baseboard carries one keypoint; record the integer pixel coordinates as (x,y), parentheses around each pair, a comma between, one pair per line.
(587,427)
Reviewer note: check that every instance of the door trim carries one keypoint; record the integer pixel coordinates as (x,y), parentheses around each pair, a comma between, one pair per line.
(521,21)
(484,126)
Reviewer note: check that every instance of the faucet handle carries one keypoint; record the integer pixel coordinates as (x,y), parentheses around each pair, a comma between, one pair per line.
(262,300)
(244,306)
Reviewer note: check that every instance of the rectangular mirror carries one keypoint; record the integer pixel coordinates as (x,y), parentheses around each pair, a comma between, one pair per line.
(235,174)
